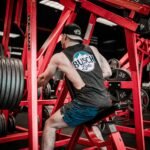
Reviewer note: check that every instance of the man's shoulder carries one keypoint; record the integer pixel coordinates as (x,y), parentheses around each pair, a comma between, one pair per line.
(93,47)
(59,57)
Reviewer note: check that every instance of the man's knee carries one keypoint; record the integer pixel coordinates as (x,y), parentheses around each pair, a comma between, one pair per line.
(50,122)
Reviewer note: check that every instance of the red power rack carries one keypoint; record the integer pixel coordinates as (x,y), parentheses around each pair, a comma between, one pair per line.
(35,62)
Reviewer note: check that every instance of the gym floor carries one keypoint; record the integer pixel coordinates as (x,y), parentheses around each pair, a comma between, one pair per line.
(21,120)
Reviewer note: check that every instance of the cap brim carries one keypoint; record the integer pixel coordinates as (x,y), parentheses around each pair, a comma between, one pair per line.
(74,37)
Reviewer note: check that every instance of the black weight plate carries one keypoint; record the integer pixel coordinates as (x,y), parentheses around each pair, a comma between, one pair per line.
(123,75)
(3,89)
(14,123)
(39,92)
(8,83)
(59,75)
(114,63)
(120,75)
(13,84)
(124,94)
(118,95)
(21,88)
(1,76)
(11,124)
(5,125)
(1,125)
(1,50)
(144,101)
(47,109)
(113,95)
(46,113)
(47,91)
(17,84)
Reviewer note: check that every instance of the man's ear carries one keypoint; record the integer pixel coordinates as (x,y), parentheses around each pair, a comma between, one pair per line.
(65,36)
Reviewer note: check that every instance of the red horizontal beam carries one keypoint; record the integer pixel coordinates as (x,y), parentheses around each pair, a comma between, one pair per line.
(137,7)
(124,22)
(40,102)
(123,84)
(132,130)
(15,137)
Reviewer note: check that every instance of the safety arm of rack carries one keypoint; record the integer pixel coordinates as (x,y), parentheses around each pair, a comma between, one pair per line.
(127,4)
(123,22)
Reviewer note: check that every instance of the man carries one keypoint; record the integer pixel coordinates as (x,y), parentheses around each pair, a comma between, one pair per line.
(81,67)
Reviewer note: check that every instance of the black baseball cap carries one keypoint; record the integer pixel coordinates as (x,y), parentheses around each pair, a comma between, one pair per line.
(73,31)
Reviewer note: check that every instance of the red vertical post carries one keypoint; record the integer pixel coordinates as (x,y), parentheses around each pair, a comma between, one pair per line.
(141,58)
(18,14)
(124,59)
(32,74)
(136,89)
(7,25)
(90,29)
(24,54)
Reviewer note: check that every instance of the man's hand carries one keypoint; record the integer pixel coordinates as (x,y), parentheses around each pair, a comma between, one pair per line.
(41,80)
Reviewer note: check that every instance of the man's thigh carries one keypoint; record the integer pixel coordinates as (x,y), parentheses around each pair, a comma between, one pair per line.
(56,120)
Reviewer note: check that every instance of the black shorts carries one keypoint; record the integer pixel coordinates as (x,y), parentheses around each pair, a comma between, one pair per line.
(76,114)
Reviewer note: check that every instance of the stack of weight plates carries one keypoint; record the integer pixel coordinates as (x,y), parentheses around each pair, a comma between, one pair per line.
(3,125)
(11,82)
(11,123)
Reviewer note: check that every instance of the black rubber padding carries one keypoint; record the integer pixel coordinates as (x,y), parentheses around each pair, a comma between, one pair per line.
(14,123)
(4,79)
(21,89)
(47,91)
(17,84)
(13,84)
(4,125)
(1,76)
(11,123)
(1,50)
(8,83)
(1,125)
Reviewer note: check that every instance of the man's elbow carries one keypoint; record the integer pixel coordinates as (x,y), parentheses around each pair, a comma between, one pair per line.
(110,73)
(107,74)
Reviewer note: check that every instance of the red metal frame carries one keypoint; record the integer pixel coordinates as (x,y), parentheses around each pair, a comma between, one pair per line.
(7,25)
(136,88)
(52,40)
(32,76)
(99,11)
(90,29)
(18,14)
(31,60)
(140,8)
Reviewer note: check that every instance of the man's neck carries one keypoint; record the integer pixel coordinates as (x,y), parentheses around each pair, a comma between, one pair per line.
(72,43)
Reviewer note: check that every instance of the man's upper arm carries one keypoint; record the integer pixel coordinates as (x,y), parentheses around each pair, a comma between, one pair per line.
(105,67)
(52,66)
(106,70)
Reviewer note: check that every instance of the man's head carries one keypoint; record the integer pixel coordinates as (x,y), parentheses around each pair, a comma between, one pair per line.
(71,32)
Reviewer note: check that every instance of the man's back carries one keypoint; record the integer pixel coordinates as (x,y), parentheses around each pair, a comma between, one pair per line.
(84,73)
